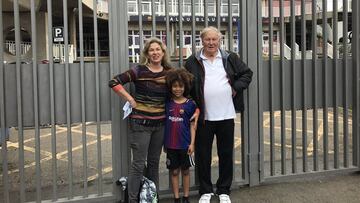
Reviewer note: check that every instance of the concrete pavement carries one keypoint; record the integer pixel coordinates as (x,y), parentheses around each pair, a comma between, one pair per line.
(326,189)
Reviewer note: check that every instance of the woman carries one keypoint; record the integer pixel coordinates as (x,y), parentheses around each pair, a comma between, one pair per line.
(148,114)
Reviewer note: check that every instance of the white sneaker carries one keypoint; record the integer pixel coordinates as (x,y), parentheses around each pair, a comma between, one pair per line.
(224,198)
(205,198)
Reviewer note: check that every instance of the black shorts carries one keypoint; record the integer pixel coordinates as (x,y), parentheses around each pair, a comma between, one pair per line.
(176,158)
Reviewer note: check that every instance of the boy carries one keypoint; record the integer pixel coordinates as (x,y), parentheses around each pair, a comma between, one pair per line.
(179,137)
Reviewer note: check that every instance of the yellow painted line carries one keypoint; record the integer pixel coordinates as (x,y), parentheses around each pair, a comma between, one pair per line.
(48,155)
(26,148)
(28,166)
(309,150)
(237,142)
(286,145)
(89,133)
(42,136)
(237,162)
(104,171)
(289,129)
(320,134)
(61,154)
(267,121)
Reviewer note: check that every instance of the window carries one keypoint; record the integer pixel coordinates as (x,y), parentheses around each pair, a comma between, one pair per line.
(160,7)
(225,8)
(132,7)
(146,7)
(187,7)
(211,8)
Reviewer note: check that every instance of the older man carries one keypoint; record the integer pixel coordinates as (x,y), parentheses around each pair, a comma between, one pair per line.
(220,78)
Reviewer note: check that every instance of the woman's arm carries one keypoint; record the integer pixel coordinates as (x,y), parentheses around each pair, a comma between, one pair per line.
(116,84)
(120,90)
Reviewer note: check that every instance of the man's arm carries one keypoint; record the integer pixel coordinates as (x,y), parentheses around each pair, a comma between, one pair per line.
(243,75)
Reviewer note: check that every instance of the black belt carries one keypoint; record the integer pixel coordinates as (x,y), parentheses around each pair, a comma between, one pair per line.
(147,122)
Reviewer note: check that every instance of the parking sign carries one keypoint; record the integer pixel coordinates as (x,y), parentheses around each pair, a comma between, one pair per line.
(58,34)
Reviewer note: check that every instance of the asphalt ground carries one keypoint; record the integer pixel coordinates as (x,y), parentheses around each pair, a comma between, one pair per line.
(339,188)
(245,194)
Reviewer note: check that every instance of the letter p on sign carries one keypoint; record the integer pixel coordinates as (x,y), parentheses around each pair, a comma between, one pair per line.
(58,34)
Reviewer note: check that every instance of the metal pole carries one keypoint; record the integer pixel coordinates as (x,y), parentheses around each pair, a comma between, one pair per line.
(120,62)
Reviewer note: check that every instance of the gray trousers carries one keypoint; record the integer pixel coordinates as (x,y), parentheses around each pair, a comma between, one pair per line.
(146,145)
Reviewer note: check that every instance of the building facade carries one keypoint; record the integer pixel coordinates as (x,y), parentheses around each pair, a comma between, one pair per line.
(146,28)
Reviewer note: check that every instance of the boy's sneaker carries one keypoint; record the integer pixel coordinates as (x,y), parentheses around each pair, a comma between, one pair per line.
(224,198)
(185,200)
(205,198)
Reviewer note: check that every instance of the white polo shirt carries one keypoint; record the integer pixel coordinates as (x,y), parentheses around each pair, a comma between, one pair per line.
(217,90)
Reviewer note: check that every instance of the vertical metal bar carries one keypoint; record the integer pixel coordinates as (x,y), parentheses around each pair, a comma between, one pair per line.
(230,25)
(240,29)
(97,90)
(282,92)
(218,7)
(260,120)
(193,50)
(335,61)
(345,95)
(19,100)
(355,59)
(118,30)
(181,34)
(36,102)
(52,102)
(271,61)
(193,28)
(293,89)
(244,115)
(153,19)
(315,110)
(141,36)
(5,178)
(83,107)
(325,110)
(115,158)
(206,20)
(168,36)
(303,66)
(67,98)
(254,116)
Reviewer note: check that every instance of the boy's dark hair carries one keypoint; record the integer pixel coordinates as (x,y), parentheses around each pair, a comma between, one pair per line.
(182,76)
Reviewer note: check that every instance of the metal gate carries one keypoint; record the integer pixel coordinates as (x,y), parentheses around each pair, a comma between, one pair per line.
(302,106)
(309,87)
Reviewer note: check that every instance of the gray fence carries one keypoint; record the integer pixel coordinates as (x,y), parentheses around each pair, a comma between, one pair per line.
(302,106)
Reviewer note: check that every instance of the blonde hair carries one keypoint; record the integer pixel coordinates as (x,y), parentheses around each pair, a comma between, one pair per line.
(144,57)
(206,30)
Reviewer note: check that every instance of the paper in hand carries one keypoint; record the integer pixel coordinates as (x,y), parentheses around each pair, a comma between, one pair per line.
(127,109)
